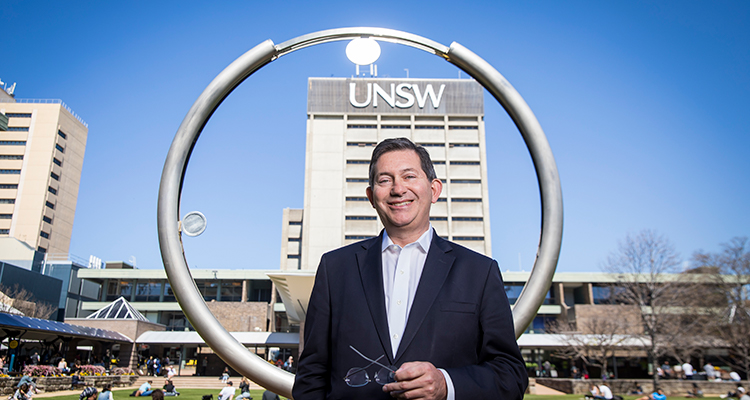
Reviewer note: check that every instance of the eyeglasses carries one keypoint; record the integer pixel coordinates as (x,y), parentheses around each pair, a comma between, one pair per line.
(357,377)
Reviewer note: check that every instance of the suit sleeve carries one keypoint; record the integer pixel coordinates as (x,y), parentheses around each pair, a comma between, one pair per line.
(501,372)
(313,370)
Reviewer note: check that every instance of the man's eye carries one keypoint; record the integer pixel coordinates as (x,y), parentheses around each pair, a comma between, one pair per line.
(383,181)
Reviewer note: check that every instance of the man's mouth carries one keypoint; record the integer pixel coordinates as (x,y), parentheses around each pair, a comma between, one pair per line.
(402,203)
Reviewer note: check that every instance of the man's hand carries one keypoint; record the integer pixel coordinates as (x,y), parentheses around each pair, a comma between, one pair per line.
(418,380)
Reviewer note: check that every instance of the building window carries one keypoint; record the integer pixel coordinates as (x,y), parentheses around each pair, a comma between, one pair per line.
(442,199)
(12,143)
(395,127)
(357,161)
(10,171)
(432,144)
(438,218)
(356,199)
(117,289)
(428,127)
(4,231)
(57,146)
(295,222)
(46,219)
(356,237)
(54,176)
(358,180)
(9,186)
(7,201)
(438,162)
(291,239)
(40,249)
(18,129)
(57,162)
(361,126)
(473,128)
(464,162)
(6,216)
(464,145)
(18,115)
(468,238)
(606,294)
(50,205)
(293,256)
(209,289)
(168,293)
(10,157)
(44,234)
(51,190)
(465,181)
(231,291)
(62,134)
(459,200)
(147,290)
(360,218)
(360,144)
(467,218)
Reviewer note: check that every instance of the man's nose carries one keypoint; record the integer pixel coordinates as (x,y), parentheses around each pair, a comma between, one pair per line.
(398,187)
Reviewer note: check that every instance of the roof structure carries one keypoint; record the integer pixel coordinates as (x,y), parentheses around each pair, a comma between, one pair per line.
(29,328)
(118,309)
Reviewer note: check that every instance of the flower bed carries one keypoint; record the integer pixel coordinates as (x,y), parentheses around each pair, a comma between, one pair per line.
(57,383)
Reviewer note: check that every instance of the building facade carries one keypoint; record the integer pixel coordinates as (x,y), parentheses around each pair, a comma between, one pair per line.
(41,156)
(346,118)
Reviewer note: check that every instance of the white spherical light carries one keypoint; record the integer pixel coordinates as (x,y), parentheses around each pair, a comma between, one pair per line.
(363,51)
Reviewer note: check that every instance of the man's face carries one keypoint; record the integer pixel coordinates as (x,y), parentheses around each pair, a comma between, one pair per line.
(402,194)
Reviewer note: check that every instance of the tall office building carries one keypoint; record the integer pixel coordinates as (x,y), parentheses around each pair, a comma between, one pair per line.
(41,156)
(346,118)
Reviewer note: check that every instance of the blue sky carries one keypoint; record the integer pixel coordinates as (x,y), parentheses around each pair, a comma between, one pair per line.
(644,105)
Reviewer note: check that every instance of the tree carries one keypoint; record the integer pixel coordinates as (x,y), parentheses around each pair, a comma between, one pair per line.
(730,270)
(593,340)
(644,266)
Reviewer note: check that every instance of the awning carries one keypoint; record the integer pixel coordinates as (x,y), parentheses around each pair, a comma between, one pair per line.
(271,339)
(43,329)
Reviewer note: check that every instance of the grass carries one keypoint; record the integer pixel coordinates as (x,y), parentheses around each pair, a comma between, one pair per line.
(580,397)
(185,394)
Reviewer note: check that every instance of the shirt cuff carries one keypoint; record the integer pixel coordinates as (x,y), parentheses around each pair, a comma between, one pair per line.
(448,385)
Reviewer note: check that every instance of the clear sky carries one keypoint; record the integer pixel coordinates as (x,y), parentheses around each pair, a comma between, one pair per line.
(645,106)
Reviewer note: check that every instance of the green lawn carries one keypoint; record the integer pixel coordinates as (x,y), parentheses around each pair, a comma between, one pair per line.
(185,394)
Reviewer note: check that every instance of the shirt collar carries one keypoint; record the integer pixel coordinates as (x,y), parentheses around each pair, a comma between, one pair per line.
(424,241)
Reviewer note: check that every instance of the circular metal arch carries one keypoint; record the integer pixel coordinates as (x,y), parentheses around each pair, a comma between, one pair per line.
(170,241)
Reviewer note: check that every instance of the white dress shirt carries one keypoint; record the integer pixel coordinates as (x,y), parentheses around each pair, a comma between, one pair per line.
(402,269)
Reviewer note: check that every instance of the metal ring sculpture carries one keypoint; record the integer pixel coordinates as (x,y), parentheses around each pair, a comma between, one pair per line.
(188,296)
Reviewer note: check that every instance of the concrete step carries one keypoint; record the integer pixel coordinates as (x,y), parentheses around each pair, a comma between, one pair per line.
(193,382)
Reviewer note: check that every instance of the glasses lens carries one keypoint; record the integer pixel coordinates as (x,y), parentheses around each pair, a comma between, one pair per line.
(357,377)
(385,375)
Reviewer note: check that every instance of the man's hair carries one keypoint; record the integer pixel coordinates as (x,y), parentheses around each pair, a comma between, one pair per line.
(229,383)
(401,144)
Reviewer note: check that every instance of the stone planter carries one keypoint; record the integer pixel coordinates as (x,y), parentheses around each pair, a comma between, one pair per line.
(54,384)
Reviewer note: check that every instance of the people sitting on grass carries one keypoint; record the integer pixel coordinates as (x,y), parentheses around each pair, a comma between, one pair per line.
(31,382)
(244,390)
(22,393)
(88,394)
(602,392)
(736,394)
(144,390)
(637,389)
(228,392)
(658,394)
(106,393)
(169,389)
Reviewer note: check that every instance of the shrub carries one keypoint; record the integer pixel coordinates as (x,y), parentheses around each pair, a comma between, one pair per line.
(92,370)
(41,370)
(123,371)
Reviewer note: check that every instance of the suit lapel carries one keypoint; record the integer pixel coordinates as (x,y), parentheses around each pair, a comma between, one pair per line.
(371,273)
(436,267)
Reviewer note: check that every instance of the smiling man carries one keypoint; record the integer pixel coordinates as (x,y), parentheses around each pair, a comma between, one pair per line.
(408,314)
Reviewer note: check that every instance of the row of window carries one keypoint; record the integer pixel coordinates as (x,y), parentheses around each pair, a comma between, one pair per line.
(9,186)
(150,291)
(18,115)
(12,143)
(10,157)
(6,216)
(7,201)
(44,234)
(10,171)
(452,127)
(54,176)
(62,134)
(51,190)
(49,205)
(4,231)
(468,238)
(18,129)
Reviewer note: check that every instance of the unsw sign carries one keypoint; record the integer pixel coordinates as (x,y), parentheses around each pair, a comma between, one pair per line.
(395,96)
(403,95)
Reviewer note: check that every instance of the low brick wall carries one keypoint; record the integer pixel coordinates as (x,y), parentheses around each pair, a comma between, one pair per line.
(624,386)
(8,385)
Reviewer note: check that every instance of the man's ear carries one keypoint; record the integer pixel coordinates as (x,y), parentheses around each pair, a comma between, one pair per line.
(368,192)
(437,188)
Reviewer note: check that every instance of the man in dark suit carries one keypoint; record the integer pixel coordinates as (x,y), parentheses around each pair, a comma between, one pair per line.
(433,312)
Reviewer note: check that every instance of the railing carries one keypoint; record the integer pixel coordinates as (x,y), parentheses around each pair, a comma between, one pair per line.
(63,257)
(47,101)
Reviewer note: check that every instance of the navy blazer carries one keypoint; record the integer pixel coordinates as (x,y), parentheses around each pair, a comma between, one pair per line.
(460,320)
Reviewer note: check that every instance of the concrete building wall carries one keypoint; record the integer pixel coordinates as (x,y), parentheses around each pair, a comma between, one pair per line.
(241,317)
(41,157)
